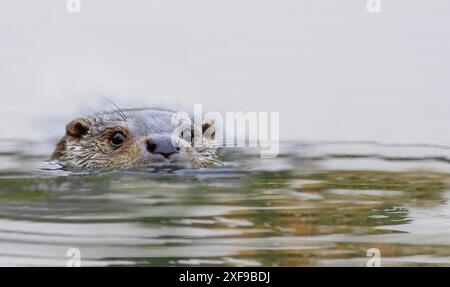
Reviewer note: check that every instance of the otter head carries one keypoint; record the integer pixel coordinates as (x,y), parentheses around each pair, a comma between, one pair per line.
(135,137)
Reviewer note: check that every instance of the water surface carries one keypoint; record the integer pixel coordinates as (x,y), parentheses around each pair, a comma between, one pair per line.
(317,204)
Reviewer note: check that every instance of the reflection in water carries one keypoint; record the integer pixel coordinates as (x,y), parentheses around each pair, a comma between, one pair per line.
(320,205)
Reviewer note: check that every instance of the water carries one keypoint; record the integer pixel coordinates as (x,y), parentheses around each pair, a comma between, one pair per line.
(317,204)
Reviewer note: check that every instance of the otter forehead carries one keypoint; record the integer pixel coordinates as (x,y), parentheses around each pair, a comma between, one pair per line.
(140,121)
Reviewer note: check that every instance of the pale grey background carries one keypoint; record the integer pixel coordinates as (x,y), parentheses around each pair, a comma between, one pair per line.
(332,70)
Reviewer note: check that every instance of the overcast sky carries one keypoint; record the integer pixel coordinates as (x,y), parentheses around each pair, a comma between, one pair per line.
(333,70)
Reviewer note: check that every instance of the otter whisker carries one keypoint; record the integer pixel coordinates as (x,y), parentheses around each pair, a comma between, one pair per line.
(118,111)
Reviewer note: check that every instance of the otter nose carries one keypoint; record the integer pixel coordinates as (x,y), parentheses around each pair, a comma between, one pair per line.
(162,146)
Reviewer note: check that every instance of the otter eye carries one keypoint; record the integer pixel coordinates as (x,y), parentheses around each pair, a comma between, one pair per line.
(187,135)
(117,139)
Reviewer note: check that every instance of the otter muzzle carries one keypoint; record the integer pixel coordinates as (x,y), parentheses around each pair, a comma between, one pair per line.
(162,146)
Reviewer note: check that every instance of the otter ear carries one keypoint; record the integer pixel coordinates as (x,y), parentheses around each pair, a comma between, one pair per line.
(78,127)
(208,130)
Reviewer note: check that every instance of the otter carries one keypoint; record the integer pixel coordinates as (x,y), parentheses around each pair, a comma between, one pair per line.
(136,137)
